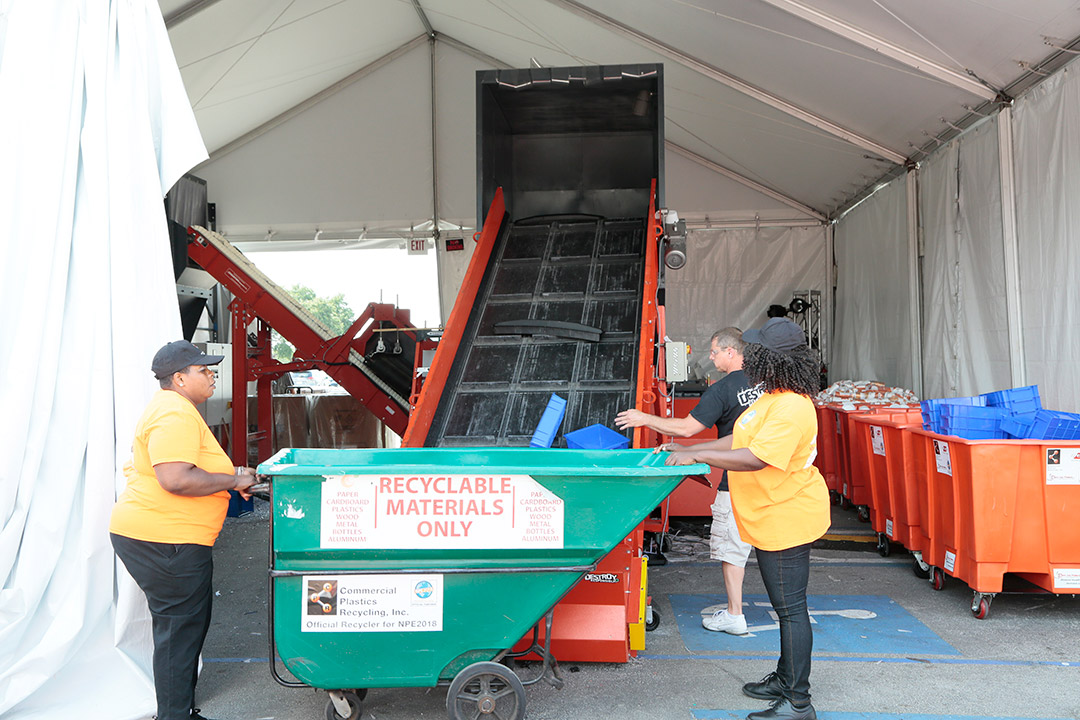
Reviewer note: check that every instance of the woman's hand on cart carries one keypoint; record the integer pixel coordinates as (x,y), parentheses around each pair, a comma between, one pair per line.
(680,457)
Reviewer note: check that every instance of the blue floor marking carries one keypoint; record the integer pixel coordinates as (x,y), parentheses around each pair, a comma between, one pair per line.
(842,624)
(878,659)
(740,714)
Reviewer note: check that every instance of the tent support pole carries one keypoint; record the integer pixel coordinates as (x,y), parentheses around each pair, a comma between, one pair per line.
(1009,237)
(912,181)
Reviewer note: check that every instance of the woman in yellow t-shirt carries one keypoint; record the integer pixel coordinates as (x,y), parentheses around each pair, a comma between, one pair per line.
(164,524)
(780,500)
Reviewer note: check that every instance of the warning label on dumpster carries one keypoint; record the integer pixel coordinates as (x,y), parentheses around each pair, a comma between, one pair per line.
(411,512)
(372,603)
(1063,466)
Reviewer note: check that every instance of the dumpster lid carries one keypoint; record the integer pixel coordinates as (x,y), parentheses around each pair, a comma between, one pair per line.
(517,461)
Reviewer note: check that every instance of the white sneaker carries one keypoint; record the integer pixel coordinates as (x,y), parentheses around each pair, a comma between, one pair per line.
(721,621)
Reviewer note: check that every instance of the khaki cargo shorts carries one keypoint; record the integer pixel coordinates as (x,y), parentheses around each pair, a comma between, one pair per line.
(724,541)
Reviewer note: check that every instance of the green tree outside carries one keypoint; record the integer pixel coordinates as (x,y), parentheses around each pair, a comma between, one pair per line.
(333,312)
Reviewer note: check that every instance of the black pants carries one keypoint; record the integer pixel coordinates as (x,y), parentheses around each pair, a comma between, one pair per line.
(786,574)
(177,582)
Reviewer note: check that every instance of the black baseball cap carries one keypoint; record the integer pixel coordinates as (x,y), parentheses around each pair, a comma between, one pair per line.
(779,334)
(177,355)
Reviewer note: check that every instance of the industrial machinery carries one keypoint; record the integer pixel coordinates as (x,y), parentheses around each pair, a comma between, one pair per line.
(373,360)
(563,296)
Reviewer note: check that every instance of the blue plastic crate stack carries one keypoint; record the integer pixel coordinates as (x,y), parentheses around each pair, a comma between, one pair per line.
(1014,413)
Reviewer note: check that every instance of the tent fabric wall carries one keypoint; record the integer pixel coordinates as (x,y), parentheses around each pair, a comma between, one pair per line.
(1046,135)
(732,275)
(86,284)
(874,313)
(965,324)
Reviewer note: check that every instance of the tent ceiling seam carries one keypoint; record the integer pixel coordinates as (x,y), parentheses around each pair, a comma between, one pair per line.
(743,180)
(715,73)
(315,99)
(967,82)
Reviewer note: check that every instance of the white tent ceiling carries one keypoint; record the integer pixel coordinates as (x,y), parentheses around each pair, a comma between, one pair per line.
(813,100)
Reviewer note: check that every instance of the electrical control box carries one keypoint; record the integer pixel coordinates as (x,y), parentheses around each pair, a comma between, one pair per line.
(676,360)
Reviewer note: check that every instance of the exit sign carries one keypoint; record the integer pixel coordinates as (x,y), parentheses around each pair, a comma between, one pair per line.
(418,246)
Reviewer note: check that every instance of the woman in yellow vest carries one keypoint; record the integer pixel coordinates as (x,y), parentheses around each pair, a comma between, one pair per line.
(164,524)
(780,499)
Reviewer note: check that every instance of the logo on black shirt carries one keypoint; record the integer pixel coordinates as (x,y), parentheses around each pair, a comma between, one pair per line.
(749,396)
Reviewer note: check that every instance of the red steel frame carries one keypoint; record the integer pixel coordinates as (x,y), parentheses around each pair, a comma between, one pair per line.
(254,304)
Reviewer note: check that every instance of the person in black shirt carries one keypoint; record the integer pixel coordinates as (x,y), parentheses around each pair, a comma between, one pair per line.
(720,405)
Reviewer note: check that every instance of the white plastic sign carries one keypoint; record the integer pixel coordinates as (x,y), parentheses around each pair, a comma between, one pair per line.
(889,528)
(372,603)
(877,440)
(942,458)
(1067,578)
(1063,466)
(950,561)
(409,512)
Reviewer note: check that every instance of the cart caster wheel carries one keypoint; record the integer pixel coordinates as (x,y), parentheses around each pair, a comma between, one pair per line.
(845,504)
(921,569)
(486,689)
(980,605)
(863,513)
(883,545)
(354,707)
(834,497)
(937,578)
(652,621)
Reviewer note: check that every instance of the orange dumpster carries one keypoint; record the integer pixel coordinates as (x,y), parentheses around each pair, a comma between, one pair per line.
(887,452)
(826,450)
(999,506)
(852,455)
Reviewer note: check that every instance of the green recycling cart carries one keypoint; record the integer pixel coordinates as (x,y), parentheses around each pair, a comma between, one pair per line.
(423,567)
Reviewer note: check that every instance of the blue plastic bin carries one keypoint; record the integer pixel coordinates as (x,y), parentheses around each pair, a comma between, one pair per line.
(549,423)
(1055,425)
(1018,425)
(972,422)
(596,437)
(931,410)
(1021,400)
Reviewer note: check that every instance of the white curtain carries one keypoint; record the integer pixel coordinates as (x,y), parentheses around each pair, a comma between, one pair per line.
(874,313)
(965,324)
(1046,134)
(96,127)
(733,275)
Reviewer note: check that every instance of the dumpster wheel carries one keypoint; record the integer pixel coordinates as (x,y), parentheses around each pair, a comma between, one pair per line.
(980,605)
(344,696)
(486,690)
(883,546)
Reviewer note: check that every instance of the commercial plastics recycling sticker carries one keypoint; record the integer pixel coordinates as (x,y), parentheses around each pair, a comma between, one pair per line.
(1063,466)
(372,603)
(412,512)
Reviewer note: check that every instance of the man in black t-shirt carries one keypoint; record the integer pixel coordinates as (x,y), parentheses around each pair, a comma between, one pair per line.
(720,405)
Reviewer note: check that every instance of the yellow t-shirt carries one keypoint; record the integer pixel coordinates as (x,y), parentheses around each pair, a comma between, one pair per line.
(170,430)
(787,503)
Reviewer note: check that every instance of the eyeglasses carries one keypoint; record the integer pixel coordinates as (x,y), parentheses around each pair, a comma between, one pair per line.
(714,353)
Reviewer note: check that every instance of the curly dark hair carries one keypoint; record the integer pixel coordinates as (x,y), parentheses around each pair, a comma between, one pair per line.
(797,371)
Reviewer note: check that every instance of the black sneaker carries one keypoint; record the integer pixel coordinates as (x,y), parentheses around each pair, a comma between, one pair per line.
(782,709)
(196,716)
(768,688)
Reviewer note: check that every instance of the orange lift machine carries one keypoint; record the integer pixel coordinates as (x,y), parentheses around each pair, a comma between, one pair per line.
(563,296)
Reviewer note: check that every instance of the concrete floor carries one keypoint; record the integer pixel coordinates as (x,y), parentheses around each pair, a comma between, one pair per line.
(922,655)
